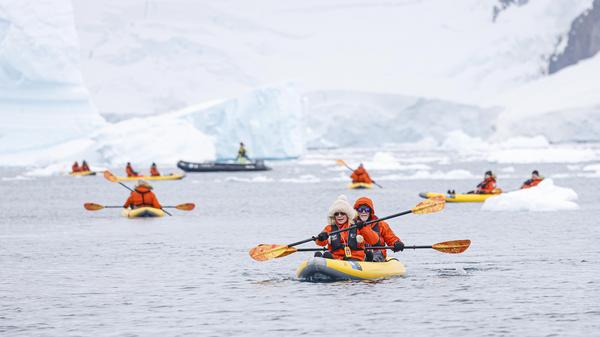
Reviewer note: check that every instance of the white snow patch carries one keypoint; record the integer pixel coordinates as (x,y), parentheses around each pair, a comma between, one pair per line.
(303,179)
(544,197)
(458,174)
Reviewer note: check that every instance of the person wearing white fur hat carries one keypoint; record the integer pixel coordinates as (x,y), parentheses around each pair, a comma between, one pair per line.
(348,245)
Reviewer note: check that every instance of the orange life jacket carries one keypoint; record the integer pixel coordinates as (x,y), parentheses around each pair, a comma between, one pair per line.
(382,228)
(154,171)
(75,168)
(85,167)
(531,182)
(142,197)
(487,186)
(341,240)
(130,172)
(360,175)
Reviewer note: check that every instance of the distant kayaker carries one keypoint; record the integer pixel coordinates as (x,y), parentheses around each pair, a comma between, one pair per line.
(130,171)
(487,186)
(242,153)
(142,196)
(348,245)
(366,212)
(154,170)
(536,178)
(360,175)
(84,166)
(75,167)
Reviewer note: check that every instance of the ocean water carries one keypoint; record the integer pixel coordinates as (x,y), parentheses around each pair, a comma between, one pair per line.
(66,271)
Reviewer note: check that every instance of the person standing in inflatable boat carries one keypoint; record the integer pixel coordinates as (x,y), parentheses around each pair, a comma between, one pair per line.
(348,245)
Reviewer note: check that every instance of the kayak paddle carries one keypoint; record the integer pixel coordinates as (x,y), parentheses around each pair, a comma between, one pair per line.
(111,177)
(448,247)
(264,252)
(341,162)
(96,207)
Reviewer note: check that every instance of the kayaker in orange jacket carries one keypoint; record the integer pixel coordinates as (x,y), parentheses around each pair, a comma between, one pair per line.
(348,245)
(84,166)
(360,175)
(142,196)
(366,212)
(534,181)
(75,167)
(487,186)
(154,170)
(130,171)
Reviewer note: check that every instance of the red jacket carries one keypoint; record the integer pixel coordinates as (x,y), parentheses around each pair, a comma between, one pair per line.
(360,175)
(487,186)
(367,233)
(85,167)
(154,171)
(531,182)
(75,168)
(142,197)
(387,237)
(130,171)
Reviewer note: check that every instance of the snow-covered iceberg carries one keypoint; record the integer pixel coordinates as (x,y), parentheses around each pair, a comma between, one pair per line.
(43,100)
(544,197)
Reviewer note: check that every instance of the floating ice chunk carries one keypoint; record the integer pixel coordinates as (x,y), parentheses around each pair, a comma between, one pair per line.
(458,174)
(307,178)
(544,197)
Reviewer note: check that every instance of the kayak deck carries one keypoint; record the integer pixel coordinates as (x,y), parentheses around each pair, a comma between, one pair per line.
(82,173)
(143,212)
(458,197)
(167,177)
(359,186)
(319,269)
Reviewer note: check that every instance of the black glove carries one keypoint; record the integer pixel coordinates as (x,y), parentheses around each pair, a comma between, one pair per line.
(359,224)
(398,246)
(322,236)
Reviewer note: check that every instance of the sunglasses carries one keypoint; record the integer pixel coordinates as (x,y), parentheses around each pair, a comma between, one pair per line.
(364,209)
(339,214)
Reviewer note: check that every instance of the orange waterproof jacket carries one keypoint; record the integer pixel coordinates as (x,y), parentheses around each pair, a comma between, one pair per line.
(369,236)
(360,175)
(142,197)
(85,167)
(130,171)
(387,237)
(531,182)
(75,168)
(154,171)
(487,186)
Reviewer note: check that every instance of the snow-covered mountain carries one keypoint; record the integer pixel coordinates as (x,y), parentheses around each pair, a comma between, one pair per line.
(400,70)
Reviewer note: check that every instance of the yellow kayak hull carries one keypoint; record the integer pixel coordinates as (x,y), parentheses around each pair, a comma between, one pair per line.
(354,186)
(167,177)
(143,212)
(82,173)
(458,197)
(321,269)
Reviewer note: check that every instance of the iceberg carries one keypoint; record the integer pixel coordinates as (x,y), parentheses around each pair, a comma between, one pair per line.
(544,197)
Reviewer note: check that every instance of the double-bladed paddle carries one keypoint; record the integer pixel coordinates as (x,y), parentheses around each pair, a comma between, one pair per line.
(341,162)
(90,206)
(448,247)
(264,252)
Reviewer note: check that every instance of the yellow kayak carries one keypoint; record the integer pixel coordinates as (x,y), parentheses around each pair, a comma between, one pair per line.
(354,186)
(321,269)
(167,177)
(458,197)
(82,173)
(143,212)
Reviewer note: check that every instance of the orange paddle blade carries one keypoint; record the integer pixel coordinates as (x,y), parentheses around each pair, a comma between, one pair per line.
(92,207)
(264,252)
(110,177)
(186,207)
(428,206)
(340,162)
(452,247)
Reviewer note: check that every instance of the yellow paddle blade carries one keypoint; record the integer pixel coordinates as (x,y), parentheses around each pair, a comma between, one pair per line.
(110,177)
(186,207)
(264,252)
(428,206)
(340,162)
(92,207)
(452,247)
